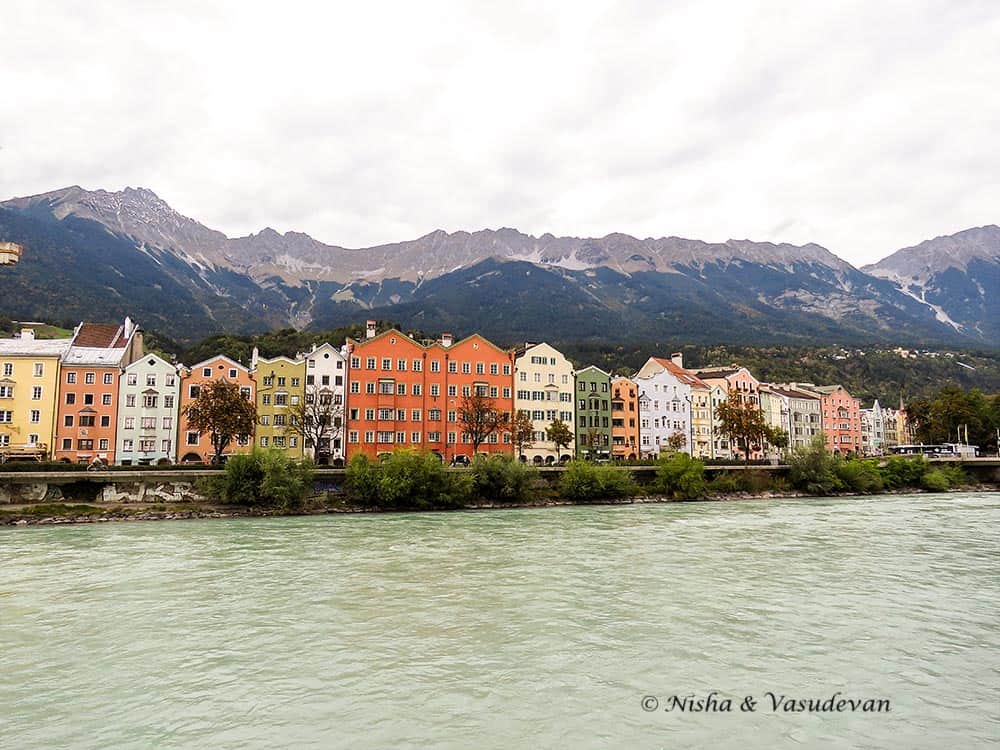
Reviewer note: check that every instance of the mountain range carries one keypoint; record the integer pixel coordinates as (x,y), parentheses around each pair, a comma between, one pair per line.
(101,255)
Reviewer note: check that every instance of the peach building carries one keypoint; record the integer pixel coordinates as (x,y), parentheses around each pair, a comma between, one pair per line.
(624,419)
(193,446)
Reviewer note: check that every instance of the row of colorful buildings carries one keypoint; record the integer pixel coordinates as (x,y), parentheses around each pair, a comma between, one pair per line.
(99,395)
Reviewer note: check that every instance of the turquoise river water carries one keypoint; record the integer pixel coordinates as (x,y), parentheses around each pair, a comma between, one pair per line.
(540,628)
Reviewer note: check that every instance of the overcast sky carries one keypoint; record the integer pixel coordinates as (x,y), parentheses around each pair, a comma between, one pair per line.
(863,126)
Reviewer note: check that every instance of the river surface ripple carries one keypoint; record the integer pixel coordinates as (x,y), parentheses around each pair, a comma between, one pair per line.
(531,628)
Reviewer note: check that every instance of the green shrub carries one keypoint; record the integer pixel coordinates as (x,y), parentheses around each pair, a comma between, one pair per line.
(755,481)
(900,471)
(812,469)
(407,480)
(935,480)
(859,476)
(681,477)
(724,483)
(262,478)
(955,475)
(584,481)
(501,478)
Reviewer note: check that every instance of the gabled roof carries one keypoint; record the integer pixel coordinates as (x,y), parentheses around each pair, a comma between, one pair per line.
(216,358)
(685,376)
(16,347)
(100,335)
(596,368)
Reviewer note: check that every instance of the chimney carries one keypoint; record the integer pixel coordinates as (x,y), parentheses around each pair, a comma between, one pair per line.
(254,356)
(677,358)
(370,330)
(27,334)
(446,340)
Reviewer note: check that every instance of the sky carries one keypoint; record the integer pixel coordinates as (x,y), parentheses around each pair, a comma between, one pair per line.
(862,126)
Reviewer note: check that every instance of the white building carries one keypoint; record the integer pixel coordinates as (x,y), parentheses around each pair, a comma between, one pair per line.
(668,387)
(873,430)
(543,388)
(326,376)
(148,405)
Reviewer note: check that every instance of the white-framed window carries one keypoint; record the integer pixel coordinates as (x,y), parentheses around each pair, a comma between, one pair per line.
(128,423)
(131,379)
(165,446)
(168,423)
(127,444)
(106,399)
(192,438)
(206,372)
(263,441)
(415,437)
(6,391)
(39,370)
(35,416)
(70,377)
(148,423)
(149,401)
(109,378)
(168,402)
(104,444)
(8,370)
(6,416)
(89,378)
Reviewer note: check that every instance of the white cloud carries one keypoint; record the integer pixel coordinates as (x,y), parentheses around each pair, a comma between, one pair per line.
(861,126)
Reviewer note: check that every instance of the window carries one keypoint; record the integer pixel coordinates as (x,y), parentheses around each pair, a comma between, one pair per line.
(70,399)
(435,389)
(385,436)
(104,444)
(370,388)
(355,386)
(67,444)
(370,363)
(191,438)
(88,399)
(414,437)
(416,389)
(106,399)
(433,437)
(105,420)
(387,387)
(281,399)
(265,419)
(170,381)
(494,370)
(452,415)
(6,391)
(85,444)
(400,389)
(281,381)
(263,441)
(39,370)
(417,365)
(453,367)
(369,436)
(352,436)
(8,370)
(151,380)
(147,423)
(168,423)
(435,366)
(168,402)
(355,363)
(88,378)
(244,392)
(232,373)
(296,382)
(68,420)
(131,379)
(265,399)
(415,415)
(400,415)
(466,368)
(70,376)
(434,415)
(165,446)
(506,369)
(6,416)
(268,381)
(452,390)
(109,378)
(36,416)
(280,420)
(149,401)
(400,437)
(279,441)
(206,372)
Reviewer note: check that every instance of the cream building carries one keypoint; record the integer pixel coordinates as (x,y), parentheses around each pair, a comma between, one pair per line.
(544,388)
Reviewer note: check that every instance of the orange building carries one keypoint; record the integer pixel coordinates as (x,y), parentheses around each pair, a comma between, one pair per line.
(624,419)
(193,446)
(87,410)
(405,394)
(841,418)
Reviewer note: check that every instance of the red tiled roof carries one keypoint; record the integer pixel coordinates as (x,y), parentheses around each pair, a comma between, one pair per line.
(99,335)
(685,376)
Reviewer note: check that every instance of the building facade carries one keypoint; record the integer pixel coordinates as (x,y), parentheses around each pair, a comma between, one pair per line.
(625,445)
(196,447)
(801,413)
(89,389)
(543,389)
(148,405)
(280,390)
(326,378)
(593,414)
(722,381)
(407,394)
(669,388)
(29,383)
(841,419)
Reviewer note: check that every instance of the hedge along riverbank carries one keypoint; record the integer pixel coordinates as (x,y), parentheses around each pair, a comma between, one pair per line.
(408,480)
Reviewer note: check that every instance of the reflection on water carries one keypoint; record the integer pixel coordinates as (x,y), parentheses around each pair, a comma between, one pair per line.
(531,628)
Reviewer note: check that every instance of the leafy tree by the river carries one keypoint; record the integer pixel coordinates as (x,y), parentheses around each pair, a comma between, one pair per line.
(223,412)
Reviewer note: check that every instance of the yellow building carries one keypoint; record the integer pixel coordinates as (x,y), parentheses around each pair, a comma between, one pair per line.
(29,381)
(280,394)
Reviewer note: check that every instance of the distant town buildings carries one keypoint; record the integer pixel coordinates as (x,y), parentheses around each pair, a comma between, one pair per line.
(99,396)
